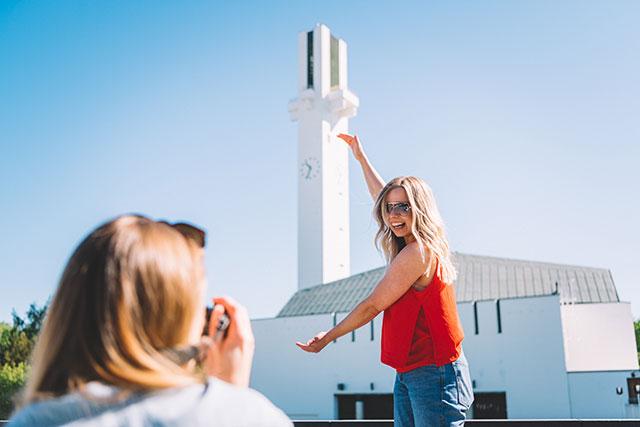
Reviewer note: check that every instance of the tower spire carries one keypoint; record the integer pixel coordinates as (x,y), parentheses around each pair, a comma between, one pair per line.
(322,109)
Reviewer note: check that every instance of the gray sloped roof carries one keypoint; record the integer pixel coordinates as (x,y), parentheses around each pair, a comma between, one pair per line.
(479,278)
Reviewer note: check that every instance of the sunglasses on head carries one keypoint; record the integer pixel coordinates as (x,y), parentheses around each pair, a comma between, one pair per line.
(189,231)
(400,208)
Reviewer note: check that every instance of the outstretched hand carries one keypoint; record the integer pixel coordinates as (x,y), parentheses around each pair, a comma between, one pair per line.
(314,345)
(354,144)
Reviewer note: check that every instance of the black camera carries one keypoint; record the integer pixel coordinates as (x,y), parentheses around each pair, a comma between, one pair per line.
(221,328)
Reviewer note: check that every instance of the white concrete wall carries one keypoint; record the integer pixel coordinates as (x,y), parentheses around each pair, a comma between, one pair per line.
(599,337)
(304,384)
(593,395)
(336,259)
(310,136)
(526,360)
(323,194)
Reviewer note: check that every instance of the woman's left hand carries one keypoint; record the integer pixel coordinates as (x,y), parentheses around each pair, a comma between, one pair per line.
(315,344)
(230,358)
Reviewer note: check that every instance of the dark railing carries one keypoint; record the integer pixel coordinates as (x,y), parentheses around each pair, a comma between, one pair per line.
(480,423)
(470,423)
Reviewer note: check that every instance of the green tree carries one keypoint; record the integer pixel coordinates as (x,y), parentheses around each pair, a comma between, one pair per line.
(16,343)
(35,317)
(17,340)
(12,379)
(3,327)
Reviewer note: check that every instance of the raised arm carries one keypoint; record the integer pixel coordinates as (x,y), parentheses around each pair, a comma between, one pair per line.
(375,183)
(404,270)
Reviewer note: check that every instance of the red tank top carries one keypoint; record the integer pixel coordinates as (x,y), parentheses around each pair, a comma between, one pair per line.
(422,328)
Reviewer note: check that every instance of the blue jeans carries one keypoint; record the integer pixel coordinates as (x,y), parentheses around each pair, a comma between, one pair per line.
(433,396)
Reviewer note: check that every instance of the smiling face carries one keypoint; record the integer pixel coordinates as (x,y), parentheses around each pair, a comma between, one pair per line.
(406,212)
(398,215)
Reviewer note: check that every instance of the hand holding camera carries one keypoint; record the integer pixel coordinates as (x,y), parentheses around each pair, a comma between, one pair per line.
(231,351)
(226,346)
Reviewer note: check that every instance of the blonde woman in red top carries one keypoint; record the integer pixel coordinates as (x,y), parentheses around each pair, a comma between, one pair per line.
(421,332)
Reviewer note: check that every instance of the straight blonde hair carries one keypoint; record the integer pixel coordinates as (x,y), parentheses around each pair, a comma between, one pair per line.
(427,226)
(131,289)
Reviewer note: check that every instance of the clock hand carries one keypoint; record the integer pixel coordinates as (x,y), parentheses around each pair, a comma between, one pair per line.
(308,166)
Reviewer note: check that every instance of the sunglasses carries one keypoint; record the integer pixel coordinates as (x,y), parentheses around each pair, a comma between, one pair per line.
(189,231)
(400,208)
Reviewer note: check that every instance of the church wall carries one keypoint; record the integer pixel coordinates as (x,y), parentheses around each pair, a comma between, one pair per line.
(304,384)
(526,360)
(593,395)
(599,337)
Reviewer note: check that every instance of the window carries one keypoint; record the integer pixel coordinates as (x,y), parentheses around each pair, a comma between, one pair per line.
(334,317)
(335,61)
(310,60)
(490,406)
(633,384)
(475,316)
(372,406)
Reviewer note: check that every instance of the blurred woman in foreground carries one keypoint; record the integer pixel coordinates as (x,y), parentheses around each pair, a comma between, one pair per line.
(122,336)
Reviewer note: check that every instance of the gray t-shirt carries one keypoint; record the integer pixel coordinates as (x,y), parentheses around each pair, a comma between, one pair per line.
(216,403)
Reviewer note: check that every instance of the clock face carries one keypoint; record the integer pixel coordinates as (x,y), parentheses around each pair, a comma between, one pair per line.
(309,168)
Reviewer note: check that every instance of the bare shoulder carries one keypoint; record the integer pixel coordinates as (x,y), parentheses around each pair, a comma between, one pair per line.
(415,253)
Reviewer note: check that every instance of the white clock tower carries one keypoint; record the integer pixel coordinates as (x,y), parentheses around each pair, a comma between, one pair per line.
(322,110)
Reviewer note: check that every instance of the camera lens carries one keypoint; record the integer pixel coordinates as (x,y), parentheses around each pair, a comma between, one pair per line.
(207,318)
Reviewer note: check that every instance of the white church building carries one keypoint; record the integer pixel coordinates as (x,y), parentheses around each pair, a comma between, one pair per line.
(543,340)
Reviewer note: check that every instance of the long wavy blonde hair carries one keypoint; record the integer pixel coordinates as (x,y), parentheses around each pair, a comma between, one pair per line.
(132,288)
(427,226)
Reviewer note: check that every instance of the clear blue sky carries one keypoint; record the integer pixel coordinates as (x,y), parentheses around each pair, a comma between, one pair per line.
(523,116)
